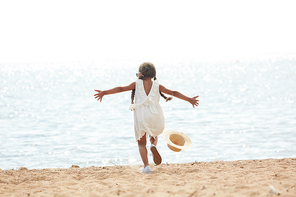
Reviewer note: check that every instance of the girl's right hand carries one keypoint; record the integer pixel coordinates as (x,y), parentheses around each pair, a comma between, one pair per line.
(194,102)
(99,95)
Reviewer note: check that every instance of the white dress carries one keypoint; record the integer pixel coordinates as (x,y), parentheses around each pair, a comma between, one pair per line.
(148,114)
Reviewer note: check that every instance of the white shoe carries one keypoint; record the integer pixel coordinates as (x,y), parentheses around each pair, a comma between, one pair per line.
(147,169)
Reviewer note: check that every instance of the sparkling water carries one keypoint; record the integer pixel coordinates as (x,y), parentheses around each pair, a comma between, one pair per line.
(50,119)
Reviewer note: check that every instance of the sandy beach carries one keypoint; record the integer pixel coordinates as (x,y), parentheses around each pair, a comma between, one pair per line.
(268,177)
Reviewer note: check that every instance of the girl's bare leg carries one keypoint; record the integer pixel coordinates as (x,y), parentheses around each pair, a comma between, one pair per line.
(143,150)
(154,140)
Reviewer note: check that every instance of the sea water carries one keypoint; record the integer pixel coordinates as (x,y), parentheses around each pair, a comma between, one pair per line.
(50,119)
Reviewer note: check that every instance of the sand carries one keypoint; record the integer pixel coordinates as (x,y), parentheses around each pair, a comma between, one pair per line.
(269,177)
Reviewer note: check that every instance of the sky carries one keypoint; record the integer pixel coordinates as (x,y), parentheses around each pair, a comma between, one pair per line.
(69,30)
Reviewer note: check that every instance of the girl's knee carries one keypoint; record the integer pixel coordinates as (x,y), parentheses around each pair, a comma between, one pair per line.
(142,141)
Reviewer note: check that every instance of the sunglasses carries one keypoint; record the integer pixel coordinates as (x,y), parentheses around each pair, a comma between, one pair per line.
(137,74)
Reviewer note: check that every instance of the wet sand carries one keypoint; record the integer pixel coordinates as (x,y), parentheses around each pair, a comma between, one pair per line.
(270,177)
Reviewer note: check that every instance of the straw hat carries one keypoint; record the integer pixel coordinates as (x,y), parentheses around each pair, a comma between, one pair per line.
(177,141)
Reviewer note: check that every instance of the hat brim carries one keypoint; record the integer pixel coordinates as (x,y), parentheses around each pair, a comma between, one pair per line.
(186,140)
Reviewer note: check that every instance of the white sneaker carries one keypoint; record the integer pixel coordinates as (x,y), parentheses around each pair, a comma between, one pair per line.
(147,169)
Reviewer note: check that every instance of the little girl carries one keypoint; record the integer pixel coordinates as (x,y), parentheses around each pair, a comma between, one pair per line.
(148,114)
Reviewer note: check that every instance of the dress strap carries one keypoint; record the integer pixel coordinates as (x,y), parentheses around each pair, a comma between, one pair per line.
(140,88)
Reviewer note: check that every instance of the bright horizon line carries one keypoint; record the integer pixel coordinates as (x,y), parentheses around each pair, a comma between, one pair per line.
(201,58)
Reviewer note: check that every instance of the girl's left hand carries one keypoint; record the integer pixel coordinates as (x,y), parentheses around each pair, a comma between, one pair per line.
(194,102)
(99,95)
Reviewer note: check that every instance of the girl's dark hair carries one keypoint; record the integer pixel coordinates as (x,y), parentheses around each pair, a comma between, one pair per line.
(148,70)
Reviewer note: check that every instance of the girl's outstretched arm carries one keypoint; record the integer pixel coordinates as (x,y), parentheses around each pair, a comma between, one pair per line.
(115,90)
(194,102)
